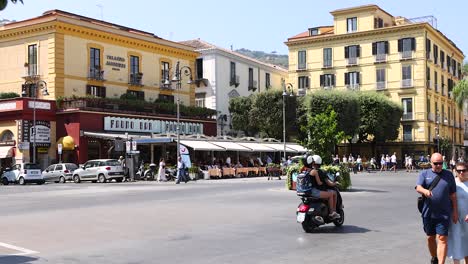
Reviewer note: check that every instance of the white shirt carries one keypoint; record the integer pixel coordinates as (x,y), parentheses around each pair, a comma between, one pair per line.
(393,158)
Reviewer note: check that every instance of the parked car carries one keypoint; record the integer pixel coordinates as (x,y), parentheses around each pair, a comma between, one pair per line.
(61,172)
(23,173)
(100,170)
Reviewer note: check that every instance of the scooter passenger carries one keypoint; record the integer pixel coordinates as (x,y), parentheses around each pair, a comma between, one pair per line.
(320,182)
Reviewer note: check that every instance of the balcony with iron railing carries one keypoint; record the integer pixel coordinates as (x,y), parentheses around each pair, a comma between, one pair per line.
(381,85)
(407,137)
(328,87)
(429,84)
(327,64)
(234,80)
(407,116)
(31,70)
(301,92)
(252,85)
(406,83)
(431,117)
(352,61)
(380,58)
(96,74)
(353,87)
(135,79)
(436,87)
(406,55)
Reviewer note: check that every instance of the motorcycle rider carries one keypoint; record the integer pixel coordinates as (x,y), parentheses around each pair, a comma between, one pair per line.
(320,182)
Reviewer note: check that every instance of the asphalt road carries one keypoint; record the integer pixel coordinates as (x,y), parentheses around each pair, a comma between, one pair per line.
(219,221)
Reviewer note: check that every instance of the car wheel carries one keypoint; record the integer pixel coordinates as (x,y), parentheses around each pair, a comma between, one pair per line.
(62,179)
(21,181)
(76,179)
(5,181)
(101,178)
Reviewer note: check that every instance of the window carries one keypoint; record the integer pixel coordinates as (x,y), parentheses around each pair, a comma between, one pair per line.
(406,80)
(442,86)
(267,81)
(32,60)
(98,91)
(166,98)
(442,59)
(380,77)
(199,67)
(378,22)
(351,24)
(303,82)
(407,104)
(313,31)
(407,133)
(301,60)
(436,54)
(428,78)
(95,64)
(165,72)
(135,74)
(327,57)
(436,81)
(200,99)
(352,53)
(251,81)
(327,81)
(428,49)
(6,136)
(233,77)
(428,109)
(352,80)
(140,95)
(406,47)
(380,51)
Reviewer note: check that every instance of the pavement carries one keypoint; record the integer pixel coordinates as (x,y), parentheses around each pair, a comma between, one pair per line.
(247,220)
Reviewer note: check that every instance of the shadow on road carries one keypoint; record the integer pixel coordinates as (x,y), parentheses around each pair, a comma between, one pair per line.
(17,259)
(345,229)
(364,190)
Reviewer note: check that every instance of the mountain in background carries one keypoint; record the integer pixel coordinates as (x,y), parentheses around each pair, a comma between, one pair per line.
(272,58)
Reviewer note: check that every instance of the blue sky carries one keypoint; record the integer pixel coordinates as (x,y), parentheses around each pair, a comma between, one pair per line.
(252,24)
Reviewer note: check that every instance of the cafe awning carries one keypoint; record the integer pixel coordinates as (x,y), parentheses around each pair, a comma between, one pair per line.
(230,146)
(279,147)
(67,143)
(7,152)
(201,145)
(257,147)
(296,147)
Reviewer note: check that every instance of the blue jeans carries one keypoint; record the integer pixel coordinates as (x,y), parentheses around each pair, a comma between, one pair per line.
(180,175)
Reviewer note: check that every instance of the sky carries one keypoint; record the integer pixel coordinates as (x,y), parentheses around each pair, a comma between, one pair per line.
(252,24)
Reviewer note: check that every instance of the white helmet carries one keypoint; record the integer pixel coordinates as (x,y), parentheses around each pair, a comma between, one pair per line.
(317,159)
(309,160)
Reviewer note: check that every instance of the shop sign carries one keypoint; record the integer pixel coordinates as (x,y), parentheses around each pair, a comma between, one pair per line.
(42,132)
(39,105)
(23,145)
(7,143)
(7,106)
(42,150)
(115,62)
(150,126)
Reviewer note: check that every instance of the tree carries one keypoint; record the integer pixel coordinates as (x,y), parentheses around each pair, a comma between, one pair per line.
(460,92)
(3,3)
(8,95)
(239,107)
(322,133)
(267,114)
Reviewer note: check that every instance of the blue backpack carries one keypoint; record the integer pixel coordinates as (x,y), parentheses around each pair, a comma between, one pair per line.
(304,183)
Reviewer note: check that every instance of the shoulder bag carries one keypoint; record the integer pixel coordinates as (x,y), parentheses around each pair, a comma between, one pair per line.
(422,198)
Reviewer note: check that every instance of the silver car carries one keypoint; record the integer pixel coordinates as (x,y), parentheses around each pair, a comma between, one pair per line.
(61,172)
(100,170)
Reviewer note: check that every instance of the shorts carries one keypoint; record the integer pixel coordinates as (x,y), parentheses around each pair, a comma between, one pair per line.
(433,226)
(315,193)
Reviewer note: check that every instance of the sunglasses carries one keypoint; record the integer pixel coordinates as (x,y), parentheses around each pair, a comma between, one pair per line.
(460,171)
(437,163)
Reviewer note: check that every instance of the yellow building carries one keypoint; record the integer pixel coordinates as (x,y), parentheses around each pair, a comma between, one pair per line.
(409,60)
(74,55)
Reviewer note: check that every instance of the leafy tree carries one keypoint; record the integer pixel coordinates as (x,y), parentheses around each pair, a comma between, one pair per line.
(445,146)
(8,95)
(3,3)
(128,96)
(323,133)
(267,114)
(465,69)
(460,92)
(239,107)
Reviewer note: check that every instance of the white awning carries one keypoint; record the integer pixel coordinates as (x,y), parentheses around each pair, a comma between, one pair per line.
(7,152)
(279,147)
(230,146)
(297,147)
(201,145)
(257,147)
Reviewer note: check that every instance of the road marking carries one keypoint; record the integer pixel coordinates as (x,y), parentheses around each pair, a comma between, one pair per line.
(24,251)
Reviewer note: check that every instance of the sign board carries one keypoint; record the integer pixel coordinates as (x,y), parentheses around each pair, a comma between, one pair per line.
(23,145)
(42,150)
(134,145)
(183,150)
(42,136)
(59,148)
(118,145)
(39,105)
(123,124)
(127,146)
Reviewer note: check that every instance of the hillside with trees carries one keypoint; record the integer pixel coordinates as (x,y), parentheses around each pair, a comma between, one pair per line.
(272,58)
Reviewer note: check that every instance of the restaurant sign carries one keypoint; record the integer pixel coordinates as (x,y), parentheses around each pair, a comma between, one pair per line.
(150,126)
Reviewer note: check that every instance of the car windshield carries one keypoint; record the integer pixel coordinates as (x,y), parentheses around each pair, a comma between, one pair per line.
(71,167)
(31,166)
(112,163)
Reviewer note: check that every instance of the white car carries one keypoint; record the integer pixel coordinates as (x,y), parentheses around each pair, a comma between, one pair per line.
(100,170)
(60,172)
(23,173)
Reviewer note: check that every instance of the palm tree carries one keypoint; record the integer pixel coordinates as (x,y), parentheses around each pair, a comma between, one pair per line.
(3,3)
(460,93)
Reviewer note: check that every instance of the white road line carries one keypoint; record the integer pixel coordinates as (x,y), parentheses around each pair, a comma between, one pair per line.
(24,251)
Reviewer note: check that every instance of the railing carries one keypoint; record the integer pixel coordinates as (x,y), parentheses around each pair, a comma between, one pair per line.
(96,74)
(431,117)
(353,87)
(407,116)
(252,85)
(380,57)
(381,85)
(444,65)
(406,54)
(302,67)
(327,64)
(405,83)
(352,61)
(301,92)
(327,87)
(436,87)
(429,84)
(31,70)
(135,78)
(234,81)
(407,137)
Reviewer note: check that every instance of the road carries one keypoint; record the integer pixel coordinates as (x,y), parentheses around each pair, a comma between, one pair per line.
(219,221)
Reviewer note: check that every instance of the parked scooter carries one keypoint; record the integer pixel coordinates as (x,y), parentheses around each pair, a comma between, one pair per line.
(313,212)
(171,174)
(150,173)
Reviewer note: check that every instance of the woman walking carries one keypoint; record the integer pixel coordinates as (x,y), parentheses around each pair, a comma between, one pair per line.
(162,170)
(458,233)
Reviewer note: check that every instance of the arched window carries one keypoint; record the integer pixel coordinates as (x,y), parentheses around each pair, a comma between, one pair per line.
(6,136)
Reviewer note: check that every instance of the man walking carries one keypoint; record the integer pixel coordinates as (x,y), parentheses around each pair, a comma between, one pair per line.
(439,208)
(180,171)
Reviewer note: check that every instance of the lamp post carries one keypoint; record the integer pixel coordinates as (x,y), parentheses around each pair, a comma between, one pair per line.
(287,90)
(437,130)
(178,80)
(35,85)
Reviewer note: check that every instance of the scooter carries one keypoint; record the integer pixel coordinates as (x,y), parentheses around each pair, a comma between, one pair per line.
(314,212)
(149,174)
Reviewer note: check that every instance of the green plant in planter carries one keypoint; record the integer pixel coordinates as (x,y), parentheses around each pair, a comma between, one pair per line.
(273,165)
(294,168)
(345,177)
(194,169)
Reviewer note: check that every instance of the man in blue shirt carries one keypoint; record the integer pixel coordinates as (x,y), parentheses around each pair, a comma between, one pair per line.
(439,207)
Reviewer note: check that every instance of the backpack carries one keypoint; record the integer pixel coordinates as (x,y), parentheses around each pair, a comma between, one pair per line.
(304,183)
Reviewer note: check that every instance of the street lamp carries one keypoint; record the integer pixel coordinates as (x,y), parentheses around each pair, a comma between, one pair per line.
(178,80)
(287,90)
(33,86)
